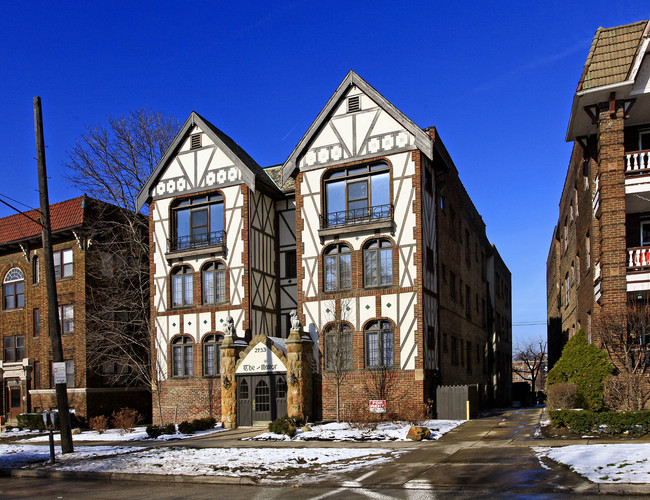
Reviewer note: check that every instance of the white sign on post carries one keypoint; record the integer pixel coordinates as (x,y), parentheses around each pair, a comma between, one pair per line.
(377,406)
(59,373)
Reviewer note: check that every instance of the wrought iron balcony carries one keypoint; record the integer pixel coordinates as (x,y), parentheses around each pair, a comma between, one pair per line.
(357,216)
(202,240)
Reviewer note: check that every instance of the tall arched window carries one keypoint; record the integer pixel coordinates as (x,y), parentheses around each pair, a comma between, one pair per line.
(337,342)
(182,356)
(378,263)
(338,268)
(13,289)
(212,355)
(182,293)
(379,344)
(214,283)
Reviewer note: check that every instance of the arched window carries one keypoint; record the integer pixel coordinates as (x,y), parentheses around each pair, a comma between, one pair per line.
(197,222)
(281,388)
(36,269)
(212,355)
(338,348)
(378,263)
(338,268)
(357,194)
(182,294)
(182,357)
(13,289)
(214,283)
(379,344)
(262,396)
(243,389)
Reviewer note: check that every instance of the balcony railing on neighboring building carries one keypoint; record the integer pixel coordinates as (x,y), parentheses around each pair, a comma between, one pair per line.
(638,258)
(637,162)
(202,240)
(357,216)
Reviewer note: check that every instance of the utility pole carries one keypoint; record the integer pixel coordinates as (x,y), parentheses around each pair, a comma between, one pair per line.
(50,281)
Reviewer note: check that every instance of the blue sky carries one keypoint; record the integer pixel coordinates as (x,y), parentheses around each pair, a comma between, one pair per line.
(497,81)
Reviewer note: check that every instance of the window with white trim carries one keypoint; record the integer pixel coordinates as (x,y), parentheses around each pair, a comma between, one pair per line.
(13,289)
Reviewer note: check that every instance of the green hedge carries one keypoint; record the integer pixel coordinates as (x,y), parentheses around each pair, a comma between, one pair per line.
(33,421)
(609,423)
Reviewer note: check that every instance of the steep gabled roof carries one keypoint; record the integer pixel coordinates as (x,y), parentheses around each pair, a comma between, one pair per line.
(252,173)
(422,140)
(64,215)
(612,55)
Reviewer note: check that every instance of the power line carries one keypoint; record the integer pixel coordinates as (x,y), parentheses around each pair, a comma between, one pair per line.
(21,213)
(17,201)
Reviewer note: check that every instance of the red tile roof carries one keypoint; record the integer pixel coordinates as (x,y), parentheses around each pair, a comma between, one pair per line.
(63,215)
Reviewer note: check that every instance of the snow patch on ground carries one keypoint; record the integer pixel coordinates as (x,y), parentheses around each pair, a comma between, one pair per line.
(604,463)
(387,431)
(112,435)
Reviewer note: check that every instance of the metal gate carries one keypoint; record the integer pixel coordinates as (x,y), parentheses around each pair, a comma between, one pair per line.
(261,398)
(456,402)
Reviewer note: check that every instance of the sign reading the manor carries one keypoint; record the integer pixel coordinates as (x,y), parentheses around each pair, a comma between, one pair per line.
(261,359)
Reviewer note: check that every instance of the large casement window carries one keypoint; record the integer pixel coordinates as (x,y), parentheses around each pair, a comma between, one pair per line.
(197,222)
(63,264)
(379,344)
(214,283)
(66,319)
(14,348)
(357,194)
(378,263)
(212,355)
(13,289)
(182,357)
(338,267)
(182,293)
(338,348)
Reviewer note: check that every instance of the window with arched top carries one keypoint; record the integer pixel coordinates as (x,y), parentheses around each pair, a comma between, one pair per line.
(380,349)
(243,389)
(13,289)
(212,355)
(337,343)
(338,267)
(378,263)
(281,388)
(182,286)
(213,276)
(182,356)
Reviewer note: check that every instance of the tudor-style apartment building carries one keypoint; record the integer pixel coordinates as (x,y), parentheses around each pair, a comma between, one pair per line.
(25,368)
(365,231)
(599,258)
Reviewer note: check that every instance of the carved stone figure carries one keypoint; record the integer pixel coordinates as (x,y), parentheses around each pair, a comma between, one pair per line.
(229,327)
(295,321)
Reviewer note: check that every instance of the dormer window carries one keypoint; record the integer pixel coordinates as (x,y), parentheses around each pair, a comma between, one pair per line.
(195,141)
(353,104)
(197,222)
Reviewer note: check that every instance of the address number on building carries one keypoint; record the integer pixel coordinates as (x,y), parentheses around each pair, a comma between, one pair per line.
(377,406)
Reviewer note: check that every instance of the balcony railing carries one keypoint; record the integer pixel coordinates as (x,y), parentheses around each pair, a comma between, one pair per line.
(215,238)
(637,162)
(357,216)
(638,258)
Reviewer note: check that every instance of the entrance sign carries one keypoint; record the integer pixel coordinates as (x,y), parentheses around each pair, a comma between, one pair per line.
(261,359)
(59,373)
(377,406)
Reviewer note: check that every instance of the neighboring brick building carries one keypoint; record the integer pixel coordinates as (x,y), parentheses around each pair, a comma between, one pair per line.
(347,232)
(27,351)
(599,257)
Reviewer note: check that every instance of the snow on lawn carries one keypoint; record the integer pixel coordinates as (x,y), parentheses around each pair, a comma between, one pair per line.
(139,434)
(386,431)
(191,461)
(604,463)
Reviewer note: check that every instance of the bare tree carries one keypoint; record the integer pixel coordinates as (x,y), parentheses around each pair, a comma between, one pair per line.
(529,358)
(111,163)
(337,347)
(625,336)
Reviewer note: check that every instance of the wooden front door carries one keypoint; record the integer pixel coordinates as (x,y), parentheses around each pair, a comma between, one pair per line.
(261,398)
(13,401)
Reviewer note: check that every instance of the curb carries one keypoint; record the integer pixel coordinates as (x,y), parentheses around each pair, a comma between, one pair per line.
(126,476)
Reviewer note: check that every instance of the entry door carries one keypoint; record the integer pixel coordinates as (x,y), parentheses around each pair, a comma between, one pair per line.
(244,407)
(262,398)
(15,401)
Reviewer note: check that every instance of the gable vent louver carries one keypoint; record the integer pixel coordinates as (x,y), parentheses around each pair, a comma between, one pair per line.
(195,141)
(354,104)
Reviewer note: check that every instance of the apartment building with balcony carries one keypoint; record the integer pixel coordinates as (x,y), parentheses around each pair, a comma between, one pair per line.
(599,259)
(267,281)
